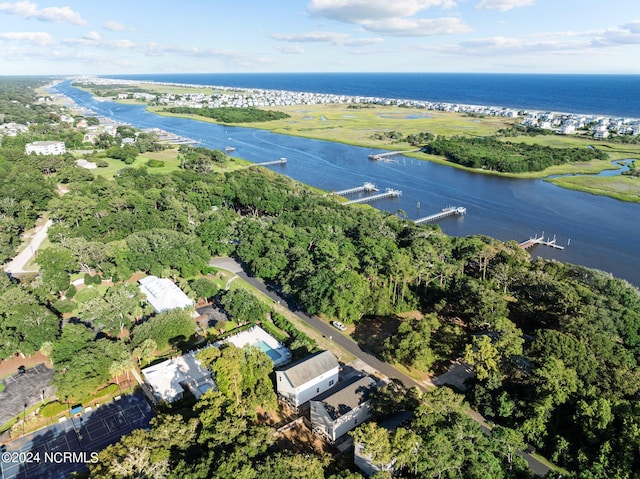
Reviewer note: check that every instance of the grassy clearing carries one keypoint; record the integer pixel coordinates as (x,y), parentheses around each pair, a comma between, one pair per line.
(171,163)
(624,188)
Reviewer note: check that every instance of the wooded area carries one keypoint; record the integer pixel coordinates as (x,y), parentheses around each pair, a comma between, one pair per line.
(493,154)
(230,114)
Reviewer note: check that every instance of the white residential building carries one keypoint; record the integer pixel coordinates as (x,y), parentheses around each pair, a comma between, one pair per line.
(169,379)
(567,129)
(343,410)
(307,378)
(46,148)
(163,294)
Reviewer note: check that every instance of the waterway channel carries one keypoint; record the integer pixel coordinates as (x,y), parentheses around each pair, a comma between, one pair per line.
(603,233)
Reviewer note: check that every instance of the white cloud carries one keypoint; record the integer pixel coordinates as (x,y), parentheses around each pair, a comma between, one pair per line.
(114,26)
(291,49)
(92,36)
(503,5)
(36,38)
(357,11)
(396,17)
(27,9)
(626,34)
(417,27)
(229,56)
(561,43)
(326,37)
(310,37)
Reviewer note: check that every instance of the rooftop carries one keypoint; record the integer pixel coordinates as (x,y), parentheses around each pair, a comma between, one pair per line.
(168,377)
(348,397)
(310,367)
(163,294)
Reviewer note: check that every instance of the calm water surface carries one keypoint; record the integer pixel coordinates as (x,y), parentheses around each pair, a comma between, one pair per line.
(603,233)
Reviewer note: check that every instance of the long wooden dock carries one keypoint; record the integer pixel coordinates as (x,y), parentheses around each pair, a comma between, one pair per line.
(388,193)
(367,187)
(386,156)
(281,161)
(448,211)
(531,242)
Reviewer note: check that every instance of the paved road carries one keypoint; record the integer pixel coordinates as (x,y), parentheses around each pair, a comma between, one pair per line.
(17,264)
(538,467)
(327,330)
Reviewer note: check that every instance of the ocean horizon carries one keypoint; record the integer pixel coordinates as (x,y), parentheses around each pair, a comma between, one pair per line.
(601,94)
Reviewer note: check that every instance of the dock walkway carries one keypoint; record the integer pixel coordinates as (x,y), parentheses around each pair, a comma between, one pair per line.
(448,211)
(281,161)
(531,242)
(367,187)
(388,193)
(389,154)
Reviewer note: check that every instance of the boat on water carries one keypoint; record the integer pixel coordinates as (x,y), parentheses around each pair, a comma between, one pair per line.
(229,148)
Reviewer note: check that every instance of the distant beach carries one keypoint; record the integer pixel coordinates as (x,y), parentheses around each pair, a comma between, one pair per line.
(610,95)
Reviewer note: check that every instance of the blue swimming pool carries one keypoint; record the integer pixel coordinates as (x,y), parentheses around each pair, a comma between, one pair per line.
(272,353)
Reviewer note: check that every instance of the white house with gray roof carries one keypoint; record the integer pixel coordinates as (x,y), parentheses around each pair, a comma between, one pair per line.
(343,410)
(307,378)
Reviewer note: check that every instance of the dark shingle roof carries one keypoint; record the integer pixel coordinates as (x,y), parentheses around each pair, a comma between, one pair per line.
(349,397)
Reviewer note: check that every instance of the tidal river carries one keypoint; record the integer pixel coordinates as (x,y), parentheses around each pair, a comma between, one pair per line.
(600,232)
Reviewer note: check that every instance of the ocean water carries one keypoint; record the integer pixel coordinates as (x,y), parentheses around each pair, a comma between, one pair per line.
(611,95)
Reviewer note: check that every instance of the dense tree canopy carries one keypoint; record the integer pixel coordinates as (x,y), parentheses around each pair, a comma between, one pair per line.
(492,154)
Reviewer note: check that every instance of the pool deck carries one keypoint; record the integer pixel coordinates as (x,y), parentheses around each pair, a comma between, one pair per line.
(255,335)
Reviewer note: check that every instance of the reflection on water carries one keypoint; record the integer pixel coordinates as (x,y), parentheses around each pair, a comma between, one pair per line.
(603,232)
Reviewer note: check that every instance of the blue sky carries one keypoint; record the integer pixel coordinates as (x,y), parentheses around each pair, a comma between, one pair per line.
(219,36)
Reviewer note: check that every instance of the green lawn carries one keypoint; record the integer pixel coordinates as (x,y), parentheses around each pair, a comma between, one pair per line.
(171,163)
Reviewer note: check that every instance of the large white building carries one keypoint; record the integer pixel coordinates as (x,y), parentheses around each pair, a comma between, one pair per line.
(306,379)
(163,294)
(345,409)
(46,148)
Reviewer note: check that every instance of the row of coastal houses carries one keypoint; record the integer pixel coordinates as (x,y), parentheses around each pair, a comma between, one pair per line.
(567,124)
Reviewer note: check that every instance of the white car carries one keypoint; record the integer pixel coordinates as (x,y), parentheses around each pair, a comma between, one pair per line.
(339,325)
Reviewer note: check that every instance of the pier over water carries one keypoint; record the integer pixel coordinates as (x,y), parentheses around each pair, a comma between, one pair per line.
(367,187)
(448,211)
(387,156)
(281,161)
(388,193)
(531,242)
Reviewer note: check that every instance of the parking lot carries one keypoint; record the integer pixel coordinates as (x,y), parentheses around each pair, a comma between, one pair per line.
(25,388)
(58,450)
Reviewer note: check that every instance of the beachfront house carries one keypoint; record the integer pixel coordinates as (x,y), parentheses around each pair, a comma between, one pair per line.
(307,378)
(344,409)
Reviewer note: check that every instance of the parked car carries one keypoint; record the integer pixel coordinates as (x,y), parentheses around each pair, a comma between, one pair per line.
(339,325)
